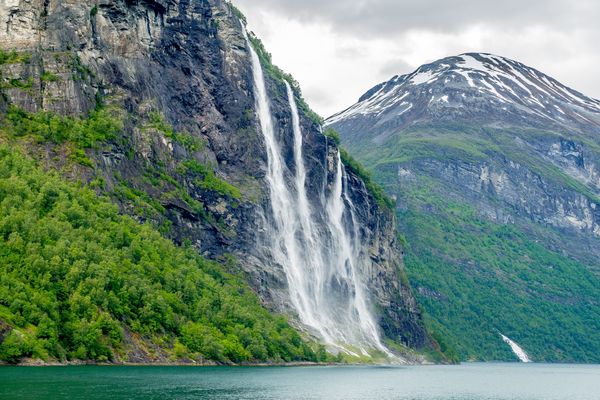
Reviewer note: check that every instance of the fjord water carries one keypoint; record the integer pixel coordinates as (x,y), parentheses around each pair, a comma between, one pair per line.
(317,243)
(461,382)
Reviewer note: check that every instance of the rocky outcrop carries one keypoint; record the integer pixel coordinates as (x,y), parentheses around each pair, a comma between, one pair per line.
(4,330)
(521,191)
(184,64)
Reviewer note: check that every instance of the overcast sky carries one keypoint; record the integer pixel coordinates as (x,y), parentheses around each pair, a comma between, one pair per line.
(338,49)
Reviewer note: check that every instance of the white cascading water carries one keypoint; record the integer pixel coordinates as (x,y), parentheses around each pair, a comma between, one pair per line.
(518,350)
(321,259)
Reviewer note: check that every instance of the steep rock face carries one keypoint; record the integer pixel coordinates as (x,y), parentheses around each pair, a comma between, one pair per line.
(185,63)
(495,167)
(525,198)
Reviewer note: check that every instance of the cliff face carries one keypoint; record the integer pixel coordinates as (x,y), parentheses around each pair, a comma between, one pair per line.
(185,64)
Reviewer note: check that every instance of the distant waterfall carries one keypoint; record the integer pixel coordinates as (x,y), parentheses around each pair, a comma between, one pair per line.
(519,352)
(317,243)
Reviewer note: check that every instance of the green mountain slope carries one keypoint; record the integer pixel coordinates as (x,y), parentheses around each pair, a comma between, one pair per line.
(477,279)
(78,281)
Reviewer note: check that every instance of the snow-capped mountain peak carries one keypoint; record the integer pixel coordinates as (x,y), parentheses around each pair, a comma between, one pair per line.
(466,85)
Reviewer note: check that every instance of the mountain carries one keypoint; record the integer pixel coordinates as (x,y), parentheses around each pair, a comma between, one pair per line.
(171,112)
(496,170)
(475,86)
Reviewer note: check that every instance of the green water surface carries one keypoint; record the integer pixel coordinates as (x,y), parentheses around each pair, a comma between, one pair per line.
(461,382)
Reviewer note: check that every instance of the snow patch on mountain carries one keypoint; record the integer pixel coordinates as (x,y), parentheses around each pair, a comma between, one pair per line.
(491,81)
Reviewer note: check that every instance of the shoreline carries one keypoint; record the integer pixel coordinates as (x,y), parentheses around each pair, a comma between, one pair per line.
(78,363)
(288,364)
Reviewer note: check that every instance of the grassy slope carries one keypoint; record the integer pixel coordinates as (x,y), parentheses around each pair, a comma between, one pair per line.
(485,275)
(75,275)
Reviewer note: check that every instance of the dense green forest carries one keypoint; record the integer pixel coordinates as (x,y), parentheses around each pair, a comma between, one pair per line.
(477,279)
(80,281)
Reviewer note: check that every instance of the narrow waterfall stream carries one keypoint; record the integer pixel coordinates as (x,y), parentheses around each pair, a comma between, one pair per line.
(518,350)
(316,241)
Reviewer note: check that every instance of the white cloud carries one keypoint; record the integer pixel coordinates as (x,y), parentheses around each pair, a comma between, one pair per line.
(337,50)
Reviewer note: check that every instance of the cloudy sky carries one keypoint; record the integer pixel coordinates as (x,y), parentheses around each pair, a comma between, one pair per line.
(338,49)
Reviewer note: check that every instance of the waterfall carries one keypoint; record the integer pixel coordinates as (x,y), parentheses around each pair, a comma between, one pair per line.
(519,352)
(345,257)
(316,241)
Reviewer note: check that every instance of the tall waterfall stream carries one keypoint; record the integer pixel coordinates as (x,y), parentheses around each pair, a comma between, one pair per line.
(321,257)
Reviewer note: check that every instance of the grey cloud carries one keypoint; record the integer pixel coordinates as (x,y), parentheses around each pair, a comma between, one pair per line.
(320,95)
(558,37)
(349,52)
(395,67)
(374,18)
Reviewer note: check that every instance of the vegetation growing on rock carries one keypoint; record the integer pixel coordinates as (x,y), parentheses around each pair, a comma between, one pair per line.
(470,272)
(76,278)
